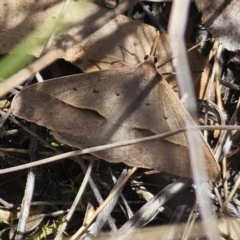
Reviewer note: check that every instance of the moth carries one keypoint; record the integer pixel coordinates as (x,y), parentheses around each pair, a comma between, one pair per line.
(108,106)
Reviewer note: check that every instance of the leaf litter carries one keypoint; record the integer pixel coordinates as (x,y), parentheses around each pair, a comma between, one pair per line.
(56,174)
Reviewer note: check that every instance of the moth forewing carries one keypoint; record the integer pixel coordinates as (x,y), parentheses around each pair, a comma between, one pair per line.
(97,108)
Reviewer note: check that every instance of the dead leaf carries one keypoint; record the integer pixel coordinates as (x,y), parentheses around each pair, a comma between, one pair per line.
(103,107)
(36,21)
(221,18)
(21,18)
(123,43)
(119,43)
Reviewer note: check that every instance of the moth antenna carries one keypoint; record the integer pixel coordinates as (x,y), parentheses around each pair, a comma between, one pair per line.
(154,46)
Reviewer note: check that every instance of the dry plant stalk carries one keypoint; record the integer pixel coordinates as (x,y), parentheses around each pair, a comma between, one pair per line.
(93,150)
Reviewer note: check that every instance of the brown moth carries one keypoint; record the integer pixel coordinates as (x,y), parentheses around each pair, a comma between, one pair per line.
(97,108)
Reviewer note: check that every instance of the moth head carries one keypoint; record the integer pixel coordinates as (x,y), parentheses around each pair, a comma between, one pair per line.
(147,56)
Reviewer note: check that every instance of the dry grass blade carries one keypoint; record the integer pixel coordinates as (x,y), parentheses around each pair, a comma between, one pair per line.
(29,191)
(177,30)
(144,214)
(113,145)
(96,227)
(76,201)
(100,208)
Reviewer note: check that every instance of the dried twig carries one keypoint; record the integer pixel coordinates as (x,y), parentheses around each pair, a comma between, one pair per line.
(114,145)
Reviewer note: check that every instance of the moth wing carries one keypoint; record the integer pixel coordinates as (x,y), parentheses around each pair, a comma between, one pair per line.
(80,102)
(178,119)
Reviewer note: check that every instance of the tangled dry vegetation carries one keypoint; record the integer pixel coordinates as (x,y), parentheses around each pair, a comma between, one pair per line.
(118,92)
